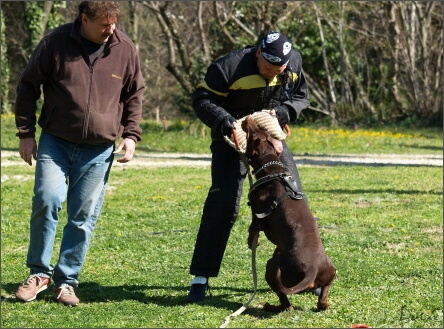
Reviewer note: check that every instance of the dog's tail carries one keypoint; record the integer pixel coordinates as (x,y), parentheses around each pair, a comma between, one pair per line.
(307,283)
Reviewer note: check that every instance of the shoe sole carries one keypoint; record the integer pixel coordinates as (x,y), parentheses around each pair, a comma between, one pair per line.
(35,296)
(191,300)
(70,304)
(66,303)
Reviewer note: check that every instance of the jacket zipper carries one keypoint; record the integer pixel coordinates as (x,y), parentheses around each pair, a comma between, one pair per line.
(265,99)
(88,106)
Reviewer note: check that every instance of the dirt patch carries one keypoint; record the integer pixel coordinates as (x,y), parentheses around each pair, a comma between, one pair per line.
(11,158)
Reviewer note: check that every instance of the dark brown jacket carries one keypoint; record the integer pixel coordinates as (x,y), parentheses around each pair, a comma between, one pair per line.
(83,103)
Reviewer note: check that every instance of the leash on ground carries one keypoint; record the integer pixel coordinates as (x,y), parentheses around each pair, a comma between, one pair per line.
(253,245)
(253,267)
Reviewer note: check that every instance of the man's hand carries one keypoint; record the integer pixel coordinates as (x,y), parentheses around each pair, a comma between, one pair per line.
(227,126)
(129,146)
(28,149)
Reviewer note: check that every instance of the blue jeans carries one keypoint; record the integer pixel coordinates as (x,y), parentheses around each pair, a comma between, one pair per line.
(77,173)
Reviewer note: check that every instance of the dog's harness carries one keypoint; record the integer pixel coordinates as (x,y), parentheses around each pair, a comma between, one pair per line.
(286,178)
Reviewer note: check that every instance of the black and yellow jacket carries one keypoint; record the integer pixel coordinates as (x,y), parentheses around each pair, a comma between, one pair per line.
(233,86)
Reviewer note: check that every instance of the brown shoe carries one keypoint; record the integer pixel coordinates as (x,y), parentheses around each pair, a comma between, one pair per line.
(29,289)
(65,295)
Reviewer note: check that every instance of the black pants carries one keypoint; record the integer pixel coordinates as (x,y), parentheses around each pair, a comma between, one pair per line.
(221,207)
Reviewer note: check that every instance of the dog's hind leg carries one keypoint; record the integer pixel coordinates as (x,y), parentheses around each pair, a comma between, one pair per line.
(322,300)
(273,278)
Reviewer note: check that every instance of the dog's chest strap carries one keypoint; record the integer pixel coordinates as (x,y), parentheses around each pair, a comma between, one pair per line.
(290,186)
(273,206)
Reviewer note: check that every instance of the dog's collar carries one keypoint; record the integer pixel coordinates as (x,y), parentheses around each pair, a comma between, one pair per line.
(268,164)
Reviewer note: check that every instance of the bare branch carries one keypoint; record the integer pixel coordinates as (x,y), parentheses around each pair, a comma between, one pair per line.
(203,37)
(222,23)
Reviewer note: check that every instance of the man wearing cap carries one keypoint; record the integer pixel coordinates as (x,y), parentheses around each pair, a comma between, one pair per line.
(268,76)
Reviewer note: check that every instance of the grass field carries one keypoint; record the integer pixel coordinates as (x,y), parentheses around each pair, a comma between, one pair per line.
(194,137)
(381,226)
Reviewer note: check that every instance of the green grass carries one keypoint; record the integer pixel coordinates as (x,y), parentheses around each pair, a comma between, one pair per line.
(194,137)
(381,226)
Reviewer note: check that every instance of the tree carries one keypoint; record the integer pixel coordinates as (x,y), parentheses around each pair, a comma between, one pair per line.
(415,45)
(5,71)
(25,24)
(364,61)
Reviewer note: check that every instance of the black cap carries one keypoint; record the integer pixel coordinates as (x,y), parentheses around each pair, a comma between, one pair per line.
(276,48)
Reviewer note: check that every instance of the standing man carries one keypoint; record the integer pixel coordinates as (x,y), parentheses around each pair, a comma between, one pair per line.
(268,76)
(93,88)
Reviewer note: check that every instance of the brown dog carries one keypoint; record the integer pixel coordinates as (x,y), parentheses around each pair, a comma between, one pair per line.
(299,261)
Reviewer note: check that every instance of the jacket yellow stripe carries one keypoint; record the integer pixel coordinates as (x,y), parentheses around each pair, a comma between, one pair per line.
(248,82)
(204,85)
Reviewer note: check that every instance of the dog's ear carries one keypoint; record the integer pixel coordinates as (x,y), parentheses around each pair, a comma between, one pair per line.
(245,127)
(277,145)
(251,137)
(248,125)
(249,149)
